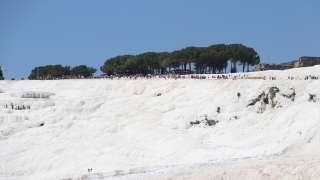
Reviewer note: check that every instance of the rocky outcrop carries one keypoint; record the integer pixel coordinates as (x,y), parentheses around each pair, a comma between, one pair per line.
(290,95)
(254,101)
(205,122)
(266,97)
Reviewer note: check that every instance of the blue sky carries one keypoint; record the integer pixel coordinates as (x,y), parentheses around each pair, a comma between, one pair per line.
(74,32)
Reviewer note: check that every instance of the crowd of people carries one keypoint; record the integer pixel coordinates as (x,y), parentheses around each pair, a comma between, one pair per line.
(174,76)
(65,77)
(311,77)
(305,78)
(177,76)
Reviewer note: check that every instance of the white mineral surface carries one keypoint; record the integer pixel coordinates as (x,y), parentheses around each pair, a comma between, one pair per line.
(123,130)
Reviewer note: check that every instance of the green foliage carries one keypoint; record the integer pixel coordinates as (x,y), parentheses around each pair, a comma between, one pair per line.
(238,94)
(12,79)
(58,71)
(218,109)
(121,64)
(49,71)
(273,91)
(83,70)
(212,59)
(1,78)
(244,56)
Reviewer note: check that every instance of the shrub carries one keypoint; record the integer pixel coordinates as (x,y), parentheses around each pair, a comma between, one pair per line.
(218,109)
(273,91)
(310,97)
(22,78)
(12,79)
(42,124)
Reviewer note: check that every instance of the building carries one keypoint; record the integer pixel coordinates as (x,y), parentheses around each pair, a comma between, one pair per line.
(304,61)
(265,67)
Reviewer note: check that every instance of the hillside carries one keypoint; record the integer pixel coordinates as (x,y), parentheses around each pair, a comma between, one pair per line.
(140,129)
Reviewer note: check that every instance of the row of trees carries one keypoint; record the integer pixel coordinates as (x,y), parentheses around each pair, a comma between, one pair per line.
(213,59)
(59,71)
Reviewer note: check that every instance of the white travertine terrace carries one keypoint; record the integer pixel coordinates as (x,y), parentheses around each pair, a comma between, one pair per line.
(122,129)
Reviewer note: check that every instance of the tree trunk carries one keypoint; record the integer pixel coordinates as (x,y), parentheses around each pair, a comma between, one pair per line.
(235,66)
(203,68)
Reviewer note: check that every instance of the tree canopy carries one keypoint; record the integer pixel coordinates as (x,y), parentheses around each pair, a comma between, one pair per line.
(83,70)
(213,59)
(58,71)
